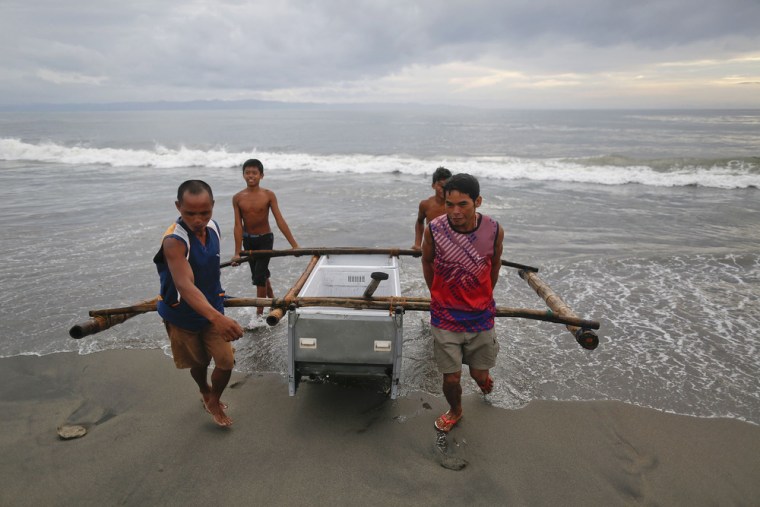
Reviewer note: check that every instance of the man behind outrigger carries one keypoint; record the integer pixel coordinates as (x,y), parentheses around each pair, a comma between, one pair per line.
(432,207)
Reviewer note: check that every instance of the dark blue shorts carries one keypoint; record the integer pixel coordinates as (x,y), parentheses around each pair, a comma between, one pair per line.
(260,265)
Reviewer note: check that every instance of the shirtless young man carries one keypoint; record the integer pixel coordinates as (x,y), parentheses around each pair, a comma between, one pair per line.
(432,207)
(252,231)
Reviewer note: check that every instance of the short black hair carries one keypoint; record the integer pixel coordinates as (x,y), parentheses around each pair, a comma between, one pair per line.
(254,162)
(441,174)
(465,183)
(194,187)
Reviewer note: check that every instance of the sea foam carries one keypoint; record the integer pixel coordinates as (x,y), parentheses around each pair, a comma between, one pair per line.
(611,170)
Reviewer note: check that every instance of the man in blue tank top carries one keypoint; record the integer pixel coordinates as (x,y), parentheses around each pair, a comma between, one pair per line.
(191,299)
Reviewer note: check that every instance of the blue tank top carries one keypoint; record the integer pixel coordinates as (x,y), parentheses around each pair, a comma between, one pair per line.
(204,261)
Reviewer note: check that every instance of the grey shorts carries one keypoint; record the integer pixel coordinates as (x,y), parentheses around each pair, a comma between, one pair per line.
(477,350)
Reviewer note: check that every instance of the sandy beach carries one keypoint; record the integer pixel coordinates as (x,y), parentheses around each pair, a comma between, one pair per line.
(149,442)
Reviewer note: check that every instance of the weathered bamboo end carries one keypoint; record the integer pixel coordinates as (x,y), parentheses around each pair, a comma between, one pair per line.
(109,317)
(98,324)
(584,335)
(275,314)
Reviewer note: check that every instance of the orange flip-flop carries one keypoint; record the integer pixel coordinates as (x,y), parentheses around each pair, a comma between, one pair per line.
(446,421)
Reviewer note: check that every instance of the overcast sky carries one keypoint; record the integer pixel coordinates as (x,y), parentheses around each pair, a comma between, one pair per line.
(501,53)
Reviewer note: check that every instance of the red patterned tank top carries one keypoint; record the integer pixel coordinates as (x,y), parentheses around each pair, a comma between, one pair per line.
(461,296)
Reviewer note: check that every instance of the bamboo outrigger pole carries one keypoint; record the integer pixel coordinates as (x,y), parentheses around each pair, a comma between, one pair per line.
(101,322)
(385,303)
(276,313)
(519,266)
(583,334)
(559,312)
(245,255)
(336,250)
(411,304)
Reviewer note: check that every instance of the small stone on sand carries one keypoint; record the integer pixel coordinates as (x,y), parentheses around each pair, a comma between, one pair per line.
(67,432)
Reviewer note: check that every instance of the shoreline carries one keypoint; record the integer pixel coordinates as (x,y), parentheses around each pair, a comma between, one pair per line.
(149,441)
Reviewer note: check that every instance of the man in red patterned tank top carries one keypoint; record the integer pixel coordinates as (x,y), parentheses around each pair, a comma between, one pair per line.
(461,258)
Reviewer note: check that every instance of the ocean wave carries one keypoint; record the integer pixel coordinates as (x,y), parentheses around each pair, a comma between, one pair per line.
(725,173)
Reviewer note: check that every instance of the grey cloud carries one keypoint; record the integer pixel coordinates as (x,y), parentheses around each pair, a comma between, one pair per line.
(652,24)
(334,41)
(231,45)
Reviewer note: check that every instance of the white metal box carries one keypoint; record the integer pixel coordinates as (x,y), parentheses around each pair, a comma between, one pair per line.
(345,341)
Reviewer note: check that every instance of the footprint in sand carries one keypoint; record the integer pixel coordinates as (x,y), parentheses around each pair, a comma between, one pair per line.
(447,458)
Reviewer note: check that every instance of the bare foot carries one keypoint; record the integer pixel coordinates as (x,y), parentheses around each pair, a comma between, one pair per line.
(217,412)
(487,386)
(206,397)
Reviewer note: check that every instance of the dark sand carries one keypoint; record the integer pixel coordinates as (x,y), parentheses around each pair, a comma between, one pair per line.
(149,442)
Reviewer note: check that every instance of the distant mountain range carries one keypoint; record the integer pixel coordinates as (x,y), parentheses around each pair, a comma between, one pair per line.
(208,105)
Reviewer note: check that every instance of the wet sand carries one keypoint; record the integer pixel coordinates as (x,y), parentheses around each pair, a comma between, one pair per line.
(150,442)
